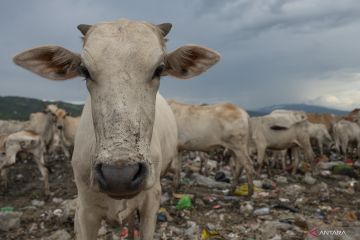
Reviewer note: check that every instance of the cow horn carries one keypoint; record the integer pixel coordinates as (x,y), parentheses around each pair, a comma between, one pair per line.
(165,28)
(84,28)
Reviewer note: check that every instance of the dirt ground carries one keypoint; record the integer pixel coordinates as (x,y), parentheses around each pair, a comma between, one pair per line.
(295,207)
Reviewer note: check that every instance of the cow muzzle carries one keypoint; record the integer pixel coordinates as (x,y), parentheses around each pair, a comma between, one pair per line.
(121,181)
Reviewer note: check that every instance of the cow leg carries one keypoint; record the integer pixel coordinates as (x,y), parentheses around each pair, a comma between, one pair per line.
(66,151)
(308,152)
(204,164)
(267,159)
(4,178)
(295,153)
(243,161)
(87,223)
(260,158)
(39,159)
(177,170)
(148,211)
(283,160)
(131,226)
(321,147)
(344,145)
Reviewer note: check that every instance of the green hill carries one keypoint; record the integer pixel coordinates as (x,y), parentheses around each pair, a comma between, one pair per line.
(19,108)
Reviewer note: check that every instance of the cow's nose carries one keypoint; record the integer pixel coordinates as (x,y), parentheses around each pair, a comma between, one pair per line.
(60,127)
(121,180)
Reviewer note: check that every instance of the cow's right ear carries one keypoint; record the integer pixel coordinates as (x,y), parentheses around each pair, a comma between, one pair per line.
(52,62)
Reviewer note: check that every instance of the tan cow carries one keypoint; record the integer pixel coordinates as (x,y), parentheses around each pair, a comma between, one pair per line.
(281,130)
(127,135)
(67,126)
(202,128)
(23,141)
(346,134)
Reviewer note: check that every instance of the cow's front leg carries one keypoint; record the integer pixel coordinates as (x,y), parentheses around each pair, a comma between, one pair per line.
(295,153)
(148,212)
(4,178)
(87,223)
(177,163)
(40,162)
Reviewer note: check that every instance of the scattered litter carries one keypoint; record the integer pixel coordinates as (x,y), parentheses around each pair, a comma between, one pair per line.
(184,203)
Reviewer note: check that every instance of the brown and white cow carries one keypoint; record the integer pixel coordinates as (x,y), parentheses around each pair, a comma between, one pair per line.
(23,141)
(127,135)
(204,127)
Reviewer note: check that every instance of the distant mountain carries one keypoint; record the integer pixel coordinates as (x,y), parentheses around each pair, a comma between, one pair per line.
(20,108)
(298,107)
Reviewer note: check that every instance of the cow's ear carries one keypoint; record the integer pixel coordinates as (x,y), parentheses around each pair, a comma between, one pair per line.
(52,62)
(189,61)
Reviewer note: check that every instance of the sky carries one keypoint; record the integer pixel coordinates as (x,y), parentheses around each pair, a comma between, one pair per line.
(272,51)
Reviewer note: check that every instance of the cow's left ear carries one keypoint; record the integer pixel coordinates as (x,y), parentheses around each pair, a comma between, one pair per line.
(189,61)
(52,62)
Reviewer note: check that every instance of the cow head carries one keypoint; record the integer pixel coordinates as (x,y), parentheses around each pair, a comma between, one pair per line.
(60,114)
(122,62)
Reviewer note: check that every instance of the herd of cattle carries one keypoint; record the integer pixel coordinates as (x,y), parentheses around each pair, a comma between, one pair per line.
(129,136)
(200,128)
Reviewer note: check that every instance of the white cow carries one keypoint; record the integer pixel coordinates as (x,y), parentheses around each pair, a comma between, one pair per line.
(127,135)
(204,127)
(346,133)
(319,134)
(23,141)
(281,130)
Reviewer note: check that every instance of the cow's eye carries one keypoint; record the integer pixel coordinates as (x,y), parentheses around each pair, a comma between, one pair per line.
(158,71)
(84,72)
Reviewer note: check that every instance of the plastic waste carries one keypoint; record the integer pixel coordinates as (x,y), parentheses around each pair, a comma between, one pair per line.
(184,203)
(243,190)
(262,211)
(7,209)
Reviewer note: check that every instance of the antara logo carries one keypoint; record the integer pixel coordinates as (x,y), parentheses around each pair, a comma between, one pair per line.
(316,233)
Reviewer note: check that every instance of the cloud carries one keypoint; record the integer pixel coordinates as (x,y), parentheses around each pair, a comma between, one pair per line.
(340,90)
(256,16)
(273,51)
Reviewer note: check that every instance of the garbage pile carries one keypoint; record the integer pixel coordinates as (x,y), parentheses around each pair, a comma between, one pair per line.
(283,206)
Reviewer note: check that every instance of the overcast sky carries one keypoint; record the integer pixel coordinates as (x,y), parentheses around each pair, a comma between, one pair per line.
(273,51)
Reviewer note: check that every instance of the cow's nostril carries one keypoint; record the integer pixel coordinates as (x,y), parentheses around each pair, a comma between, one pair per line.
(100,176)
(121,180)
(140,174)
(60,127)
